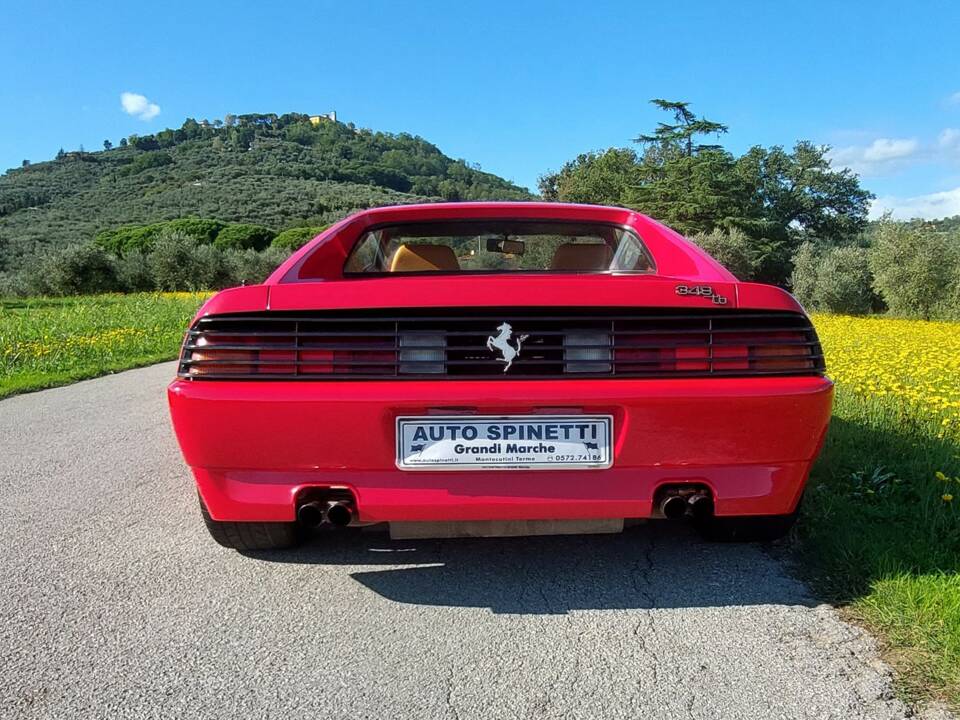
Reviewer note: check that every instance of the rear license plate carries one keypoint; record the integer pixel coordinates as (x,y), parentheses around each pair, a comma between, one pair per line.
(514,442)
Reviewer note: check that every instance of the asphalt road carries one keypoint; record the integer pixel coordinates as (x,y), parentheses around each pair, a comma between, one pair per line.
(114,602)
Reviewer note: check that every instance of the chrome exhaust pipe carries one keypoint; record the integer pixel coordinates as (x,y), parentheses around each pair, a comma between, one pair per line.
(673,507)
(701,506)
(339,513)
(311,514)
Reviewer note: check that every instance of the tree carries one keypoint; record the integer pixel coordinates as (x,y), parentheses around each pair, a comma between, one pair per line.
(804,279)
(833,279)
(295,238)
(165,138)
(146,142)
(687,184)
(776,198)
(61,154)
(123,142)
(242,136)
(134,273)
(248,267)
(913,268)
(241,236)
(107,145)
(600,178)
(690,185)
(25,163)
(126,239)
(732,249)
(190,130)
(800,190)
(78,269)
(692,193)
(680,137)
(177,262)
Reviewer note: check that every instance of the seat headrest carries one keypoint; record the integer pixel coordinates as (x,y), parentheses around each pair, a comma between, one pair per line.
(423,257)
(582,256)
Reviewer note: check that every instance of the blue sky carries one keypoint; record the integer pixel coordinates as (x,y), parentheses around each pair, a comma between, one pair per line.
(518,87)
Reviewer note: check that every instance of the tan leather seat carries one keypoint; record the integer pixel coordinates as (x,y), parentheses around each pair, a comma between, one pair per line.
(423,257)
(582,257)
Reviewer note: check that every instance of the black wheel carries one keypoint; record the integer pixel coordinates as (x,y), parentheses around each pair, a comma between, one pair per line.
(757,528)
(252,535)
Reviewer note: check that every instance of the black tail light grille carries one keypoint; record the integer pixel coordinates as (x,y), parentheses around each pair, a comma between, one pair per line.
(501,344)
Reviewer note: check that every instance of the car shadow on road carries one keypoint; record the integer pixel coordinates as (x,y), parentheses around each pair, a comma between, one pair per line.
(657,565)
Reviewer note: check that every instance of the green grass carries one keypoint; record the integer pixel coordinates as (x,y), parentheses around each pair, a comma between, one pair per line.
(877,537)
(55,341)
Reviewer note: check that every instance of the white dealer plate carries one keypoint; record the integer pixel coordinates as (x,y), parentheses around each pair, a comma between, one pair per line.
(513,442)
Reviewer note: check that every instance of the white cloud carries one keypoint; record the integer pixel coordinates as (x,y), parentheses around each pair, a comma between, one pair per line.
(929,207)
(882,155)
(949,139)
(883,149)
(138,106)
(954,99)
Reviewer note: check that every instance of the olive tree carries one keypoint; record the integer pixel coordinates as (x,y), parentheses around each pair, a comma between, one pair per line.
(730,248)
(913,268)
(833,279)
(179,262)
(78,269)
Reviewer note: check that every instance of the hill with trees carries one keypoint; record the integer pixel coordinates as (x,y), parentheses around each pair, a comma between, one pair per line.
(268,170)
(216,204)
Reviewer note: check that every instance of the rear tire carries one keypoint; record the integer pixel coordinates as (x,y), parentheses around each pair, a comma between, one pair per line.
(759,528)
(251,535)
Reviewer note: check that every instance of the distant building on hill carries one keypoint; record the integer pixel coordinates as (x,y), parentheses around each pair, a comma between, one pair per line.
(317,119)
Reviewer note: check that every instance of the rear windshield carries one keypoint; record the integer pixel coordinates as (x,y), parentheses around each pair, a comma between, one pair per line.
(498,247)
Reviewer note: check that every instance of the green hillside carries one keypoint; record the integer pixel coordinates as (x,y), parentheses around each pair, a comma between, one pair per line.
(277,171)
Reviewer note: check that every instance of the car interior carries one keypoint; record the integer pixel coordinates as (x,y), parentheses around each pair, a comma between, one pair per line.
(498,247)
(425,257)
(582,257)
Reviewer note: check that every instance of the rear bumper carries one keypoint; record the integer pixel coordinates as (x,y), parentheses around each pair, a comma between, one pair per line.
(253,446)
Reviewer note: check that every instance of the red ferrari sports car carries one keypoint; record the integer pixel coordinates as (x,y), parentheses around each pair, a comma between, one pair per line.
(495,366)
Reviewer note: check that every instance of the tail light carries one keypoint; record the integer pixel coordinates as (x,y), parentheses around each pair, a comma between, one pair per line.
(618,343)
(724,353)
(221,355)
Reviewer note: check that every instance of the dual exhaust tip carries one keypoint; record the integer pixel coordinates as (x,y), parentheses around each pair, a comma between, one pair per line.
(676,505)
(336,512)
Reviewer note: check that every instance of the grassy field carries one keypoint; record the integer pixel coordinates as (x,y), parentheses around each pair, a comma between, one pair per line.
(880,533)
(53,341)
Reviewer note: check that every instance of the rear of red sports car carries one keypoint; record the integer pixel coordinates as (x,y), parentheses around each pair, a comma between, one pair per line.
(499,365)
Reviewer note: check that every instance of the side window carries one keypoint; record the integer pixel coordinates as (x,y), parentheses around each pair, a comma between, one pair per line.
(366,256)
(631,255)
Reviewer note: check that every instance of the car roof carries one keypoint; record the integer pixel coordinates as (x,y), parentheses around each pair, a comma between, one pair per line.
(324,256)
